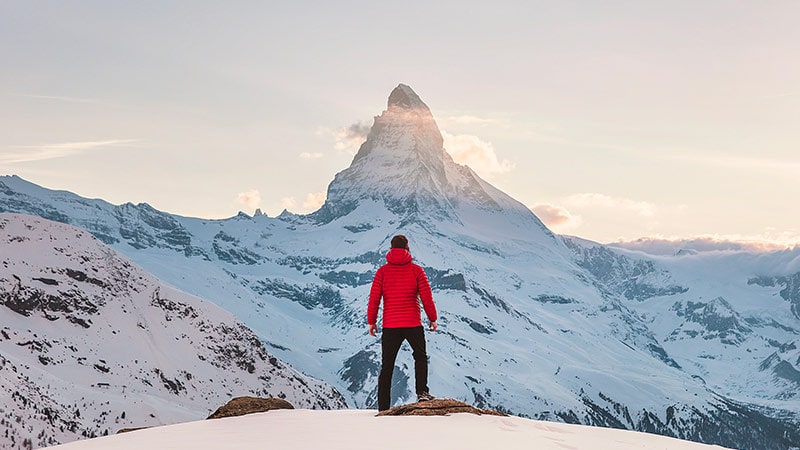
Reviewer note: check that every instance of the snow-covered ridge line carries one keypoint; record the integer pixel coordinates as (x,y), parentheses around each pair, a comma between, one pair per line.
(306,429)
(90,343)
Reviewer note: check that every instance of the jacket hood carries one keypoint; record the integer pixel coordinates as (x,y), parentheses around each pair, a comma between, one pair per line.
(398,256)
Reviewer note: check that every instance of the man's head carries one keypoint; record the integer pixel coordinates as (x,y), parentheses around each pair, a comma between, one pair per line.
(400,241)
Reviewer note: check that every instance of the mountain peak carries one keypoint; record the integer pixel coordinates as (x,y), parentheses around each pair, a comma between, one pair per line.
(403,166)
(404,97)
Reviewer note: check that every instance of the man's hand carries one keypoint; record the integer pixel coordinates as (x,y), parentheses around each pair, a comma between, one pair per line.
(433,326)
(373,329)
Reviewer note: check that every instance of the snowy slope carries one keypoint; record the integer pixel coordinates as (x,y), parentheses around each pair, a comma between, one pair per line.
(306,429)
(737,328)
(532,323)
(90,343)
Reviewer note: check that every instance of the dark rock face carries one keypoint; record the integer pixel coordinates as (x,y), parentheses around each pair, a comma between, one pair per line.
(309,297)
(240,406)
(445,279)
(70,303)
(718,319)
(402,96)
(783,370)
(227,249)
(128,430)
(479,327)
(437,407)
(345,278)
(359,367)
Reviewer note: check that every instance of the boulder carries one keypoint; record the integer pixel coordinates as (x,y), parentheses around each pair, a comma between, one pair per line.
(128,430)
(240,406)
(437,407)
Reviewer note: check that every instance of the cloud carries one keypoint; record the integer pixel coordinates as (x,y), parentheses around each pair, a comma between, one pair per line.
(251,199)
(779,95)
(557,218)
(347,139)
(583,200)
(475,153)
(29,153)
(307,155)
(314,201)
(768,241)
(288,203)
(473,121)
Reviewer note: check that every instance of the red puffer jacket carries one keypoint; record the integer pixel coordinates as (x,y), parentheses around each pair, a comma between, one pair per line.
(401,283)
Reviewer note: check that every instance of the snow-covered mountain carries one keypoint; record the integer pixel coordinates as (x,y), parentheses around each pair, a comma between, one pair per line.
(402,167)
(91,343)
(531,323)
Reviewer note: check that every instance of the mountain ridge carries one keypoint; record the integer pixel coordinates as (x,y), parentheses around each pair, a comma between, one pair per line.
(537,324)
(89,343)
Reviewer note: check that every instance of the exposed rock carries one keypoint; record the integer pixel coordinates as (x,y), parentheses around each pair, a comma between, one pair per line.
(437,407)
(128,430)
(240,406)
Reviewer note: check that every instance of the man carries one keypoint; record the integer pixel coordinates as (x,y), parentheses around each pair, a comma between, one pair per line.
(401,284)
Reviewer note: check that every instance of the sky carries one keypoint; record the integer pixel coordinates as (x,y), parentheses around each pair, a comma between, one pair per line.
(612,120)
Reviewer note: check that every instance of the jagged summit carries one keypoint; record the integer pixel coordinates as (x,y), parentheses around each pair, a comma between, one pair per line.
(404,97)
(403,167)
(405,127)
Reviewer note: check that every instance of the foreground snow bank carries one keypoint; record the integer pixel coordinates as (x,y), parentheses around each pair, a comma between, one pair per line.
(361,429)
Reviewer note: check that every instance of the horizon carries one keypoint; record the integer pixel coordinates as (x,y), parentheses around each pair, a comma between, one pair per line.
(670,121)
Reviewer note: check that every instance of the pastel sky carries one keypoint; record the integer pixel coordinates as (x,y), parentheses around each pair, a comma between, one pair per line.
(610,119)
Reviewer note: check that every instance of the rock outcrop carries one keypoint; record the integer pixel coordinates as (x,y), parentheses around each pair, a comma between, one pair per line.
(437,407)
(240,406)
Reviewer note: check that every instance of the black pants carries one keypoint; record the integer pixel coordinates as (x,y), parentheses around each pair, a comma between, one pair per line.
(391,340)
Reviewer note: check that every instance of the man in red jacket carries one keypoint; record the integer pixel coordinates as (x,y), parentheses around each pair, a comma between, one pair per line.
(402,284)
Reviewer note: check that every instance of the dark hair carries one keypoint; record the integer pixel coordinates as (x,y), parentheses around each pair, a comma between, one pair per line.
(399,241)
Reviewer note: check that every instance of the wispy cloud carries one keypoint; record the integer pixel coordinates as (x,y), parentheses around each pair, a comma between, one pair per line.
(607,218)
(507,125)
(475,153)
(557,218)
(767,241)
(780,95)
(314,201)
(288,203)
(309,155)
(59,98)
(250,199)
(29,153)
(591,199)
(347,139)
(469,120)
